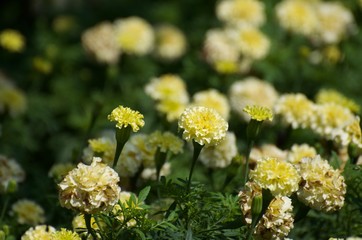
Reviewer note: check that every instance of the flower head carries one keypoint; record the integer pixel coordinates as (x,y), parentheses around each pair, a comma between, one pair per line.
(12,40)
(323,187)
(202,125)
(42,232)
(28,212)
(259,113)
(333,96)
(280,177)
(298,152)
(10,170)
(125,117)
(166,141)
(64,234)
(89,189)
(59,170)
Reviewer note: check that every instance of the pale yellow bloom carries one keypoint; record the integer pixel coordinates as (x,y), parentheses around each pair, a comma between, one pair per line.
(202,125)
(150,173)
(259,113)
(134,35)
(59,170)
(332,54)
(79,225)
(280,177)
(89,189)
(298,152)
(241,11)
(99,41)
(170,42)
(125,117)
(329,95)
(28,212)
(64,234)
(165,141)
(12,40)
(246,197)
(264,151)
(354,132)
(40,232)
(226,67)
(10,170)
(212,98)
(323,188)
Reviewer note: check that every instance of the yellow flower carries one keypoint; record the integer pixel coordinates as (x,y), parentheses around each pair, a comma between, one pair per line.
(28,212)
(259,113)
(79,225)
(280,177)
(12,40)
(59,170)
(64,234)
(226,67)
(166,141)
(125,117)
(203,125)
(323,188)
(89,189)
(298,152)
(330,95)
(10,170)
(41,232)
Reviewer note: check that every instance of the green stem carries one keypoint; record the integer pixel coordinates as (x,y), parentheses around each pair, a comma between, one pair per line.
(87,218)
(122,136)
(197,150)
(3,211)
(247,157)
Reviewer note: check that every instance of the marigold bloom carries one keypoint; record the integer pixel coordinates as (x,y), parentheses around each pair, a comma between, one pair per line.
(42,232)
(323,188)
(125,117)
(12,40)
(280,177)
(170,42)
(64,234)
(166,141)
(221,155)
(202,125)
(212,98)
(134,35)
(59,170)
(150,173)
(332,96)
(241,11)
(259,113)
(264,151)
(89,189)
(99,41)
(10,170)
(28,212)
(251,91)
(246,197)
(298,16)
(296,110)
(298,152)
(79,225)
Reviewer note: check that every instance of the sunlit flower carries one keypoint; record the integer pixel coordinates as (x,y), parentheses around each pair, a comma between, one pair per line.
(125,117)
(259,113)
(12,40)
(298,16)
(42,232)
(203,125)
(10,170)
(323,188)
(59,170)
(296,110)
(280,177)
(165,141)
(28,212)
(170,42)
(134,35)
(241,11)
(221,155)
(277,221)
(99,41)
(89,189)
(64,234)
(251,91)
(298,152)
(213,99)
(332,96)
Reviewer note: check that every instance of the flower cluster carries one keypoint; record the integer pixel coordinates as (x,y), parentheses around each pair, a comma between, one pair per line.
(298,152)
(166,141)
(89,189)
(10,171)
(28,212)
(43,232)
(332,96)
(64,234)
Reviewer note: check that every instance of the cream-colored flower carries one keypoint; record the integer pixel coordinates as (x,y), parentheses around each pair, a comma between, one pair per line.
(212,98)
(172,108)
(221,155)
(130,160)
(202,125)
(241,11)
(246,197)
(251,91)
(298,152)
(79,225)
(332,96)
(296,110)
(134,35)
(165,141)
(280,177)
(354,132)
(99,41)
(28,212)
(150,173)
(170,42)
(40,232)
(145,152)
(323,188)
(104,147)
(125,117)
(298,16)
(12,40)
(264,151)
(64,234)
(59,170)
(10,170)
(250,41)
(89,189)
(259,113)
(277,221)
(334,21)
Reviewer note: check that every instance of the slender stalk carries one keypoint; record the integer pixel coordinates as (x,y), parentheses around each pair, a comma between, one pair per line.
(122,136)
(247,157)
(5,206)
(197,150)
(87,218)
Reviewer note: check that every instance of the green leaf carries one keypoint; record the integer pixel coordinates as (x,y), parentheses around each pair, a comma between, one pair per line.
(143,194)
